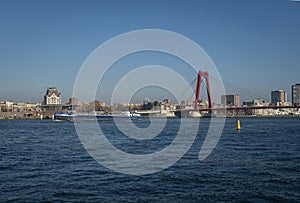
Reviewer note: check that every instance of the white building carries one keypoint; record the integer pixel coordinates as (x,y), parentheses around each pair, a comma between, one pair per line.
(9,105)
(52,96)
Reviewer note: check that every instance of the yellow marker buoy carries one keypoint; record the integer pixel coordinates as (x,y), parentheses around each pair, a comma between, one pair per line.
(238,124)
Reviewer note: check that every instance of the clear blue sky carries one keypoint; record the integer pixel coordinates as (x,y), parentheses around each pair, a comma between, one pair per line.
(254,44)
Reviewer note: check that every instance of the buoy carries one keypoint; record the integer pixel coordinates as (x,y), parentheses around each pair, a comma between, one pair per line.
(238,124)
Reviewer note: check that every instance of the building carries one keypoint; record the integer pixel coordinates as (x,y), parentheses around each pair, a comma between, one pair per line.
(73,101)
(146,101)
(9,105)
(52,97)
(167,101)
(230,100)
(278,97)
(20,107)
(296,94)
(2,106)
(255,102)
(259,112)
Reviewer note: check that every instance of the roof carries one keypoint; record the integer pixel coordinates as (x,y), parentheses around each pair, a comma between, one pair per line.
(51,91)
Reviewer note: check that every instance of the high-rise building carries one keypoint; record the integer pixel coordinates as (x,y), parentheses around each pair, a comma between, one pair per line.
(296,94)
(278,96)
(230,100)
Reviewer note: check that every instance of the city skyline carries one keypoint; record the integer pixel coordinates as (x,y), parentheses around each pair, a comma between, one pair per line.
(235,99)
(253,44)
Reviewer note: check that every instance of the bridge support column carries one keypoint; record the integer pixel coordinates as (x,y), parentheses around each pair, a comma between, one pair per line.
(202,75)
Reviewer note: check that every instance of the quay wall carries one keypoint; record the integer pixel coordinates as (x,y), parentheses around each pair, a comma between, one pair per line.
(26,115)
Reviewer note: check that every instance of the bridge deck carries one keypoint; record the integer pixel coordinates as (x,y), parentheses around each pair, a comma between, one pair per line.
(241,108)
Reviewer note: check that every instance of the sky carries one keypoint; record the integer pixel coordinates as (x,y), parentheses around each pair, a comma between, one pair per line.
(255,45)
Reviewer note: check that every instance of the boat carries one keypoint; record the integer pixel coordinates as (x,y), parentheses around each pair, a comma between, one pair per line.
(61,116)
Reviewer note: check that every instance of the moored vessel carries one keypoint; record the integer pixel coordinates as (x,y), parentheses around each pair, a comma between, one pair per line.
(61,116)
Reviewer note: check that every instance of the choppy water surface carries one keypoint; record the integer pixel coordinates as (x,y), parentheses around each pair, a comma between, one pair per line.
(45,161)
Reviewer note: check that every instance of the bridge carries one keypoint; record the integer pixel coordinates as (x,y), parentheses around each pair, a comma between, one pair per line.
(200,78)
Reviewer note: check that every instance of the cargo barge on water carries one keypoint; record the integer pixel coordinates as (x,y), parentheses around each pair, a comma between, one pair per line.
(60,116)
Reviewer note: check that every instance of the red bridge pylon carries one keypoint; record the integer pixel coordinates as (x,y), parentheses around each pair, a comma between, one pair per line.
(202,75)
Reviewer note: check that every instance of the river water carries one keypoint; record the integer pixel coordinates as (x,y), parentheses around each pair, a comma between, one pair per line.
(44,161)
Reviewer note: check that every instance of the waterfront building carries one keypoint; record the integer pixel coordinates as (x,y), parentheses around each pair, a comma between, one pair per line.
(73,101)
(146,101)
(203,103)
(296,94)
(101,106)
(167,101)
(189,103)
(32,107)
(278,97)
(259,112)
(9,105)
(230,100)
(52,101)
(186,104)
(131,106)
(256,102)
(20,107)
(52,96)
(2,106)
(147,104)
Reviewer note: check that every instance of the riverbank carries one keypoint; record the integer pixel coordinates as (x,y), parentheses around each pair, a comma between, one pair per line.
(50,117)
(26,115)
